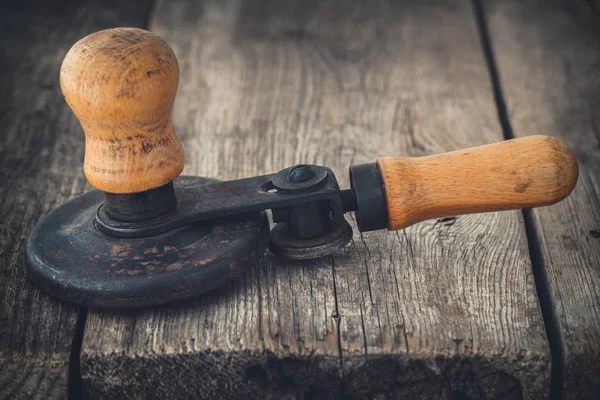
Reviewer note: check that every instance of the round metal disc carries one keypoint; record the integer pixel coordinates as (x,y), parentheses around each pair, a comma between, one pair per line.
(307,249)
(69,258)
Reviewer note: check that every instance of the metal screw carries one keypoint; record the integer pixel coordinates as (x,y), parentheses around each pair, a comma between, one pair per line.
(301,173)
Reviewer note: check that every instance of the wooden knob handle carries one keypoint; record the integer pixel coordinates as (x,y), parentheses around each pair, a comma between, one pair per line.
(121,84)
(529,172)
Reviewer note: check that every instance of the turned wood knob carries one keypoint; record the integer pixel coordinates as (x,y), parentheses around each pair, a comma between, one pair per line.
(532,171)
(121,84)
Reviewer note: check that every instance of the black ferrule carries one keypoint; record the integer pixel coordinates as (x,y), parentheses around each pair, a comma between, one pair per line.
(141,206)
(366,182)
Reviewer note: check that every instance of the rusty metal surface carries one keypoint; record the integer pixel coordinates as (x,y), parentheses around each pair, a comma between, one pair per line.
(70,259)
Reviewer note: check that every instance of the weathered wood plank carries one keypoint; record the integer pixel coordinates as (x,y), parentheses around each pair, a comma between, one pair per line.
(457,294)
(41,150)
(443,308)
(548,53)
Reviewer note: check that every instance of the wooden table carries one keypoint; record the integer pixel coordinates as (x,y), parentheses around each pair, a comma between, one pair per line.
(500,305)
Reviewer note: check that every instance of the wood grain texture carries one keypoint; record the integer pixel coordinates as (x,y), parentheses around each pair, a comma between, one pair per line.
(443,309)
(41,149)
(121,84)
(548,53)
(530,172)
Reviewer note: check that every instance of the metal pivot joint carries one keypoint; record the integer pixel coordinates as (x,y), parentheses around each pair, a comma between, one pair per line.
(122,215)
(306,202)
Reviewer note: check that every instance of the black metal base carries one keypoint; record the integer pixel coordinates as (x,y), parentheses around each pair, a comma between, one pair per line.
(286,246)
(70,259)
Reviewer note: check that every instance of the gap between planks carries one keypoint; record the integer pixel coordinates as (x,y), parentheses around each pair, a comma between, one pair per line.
(537,263)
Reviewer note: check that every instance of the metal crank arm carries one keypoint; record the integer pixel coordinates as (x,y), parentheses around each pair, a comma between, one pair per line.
(307,194)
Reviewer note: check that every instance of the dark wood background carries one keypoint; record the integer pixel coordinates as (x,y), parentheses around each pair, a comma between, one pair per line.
(500,305)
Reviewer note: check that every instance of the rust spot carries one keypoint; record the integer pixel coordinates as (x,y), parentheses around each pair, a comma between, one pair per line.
(169,248)
(173,267)
(205,261)
(208,260)
(146,263)
(521,187)
(153,250)
(120,250)
(68,229)
(134,271)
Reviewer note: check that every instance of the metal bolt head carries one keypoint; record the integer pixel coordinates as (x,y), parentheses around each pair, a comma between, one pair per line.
(301,173)
(300,178)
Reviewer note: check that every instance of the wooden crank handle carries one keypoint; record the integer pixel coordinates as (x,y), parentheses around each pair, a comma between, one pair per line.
(529,172)
(121,84)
